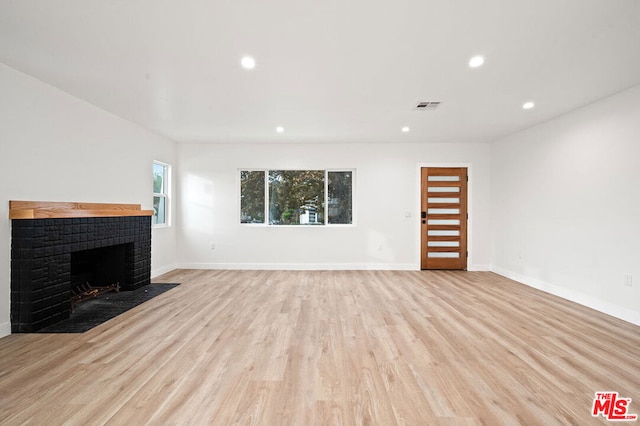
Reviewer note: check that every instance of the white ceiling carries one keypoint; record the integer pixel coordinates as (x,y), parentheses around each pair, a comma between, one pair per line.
(327,70)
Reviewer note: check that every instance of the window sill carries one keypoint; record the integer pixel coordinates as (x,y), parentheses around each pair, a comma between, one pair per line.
(333,225)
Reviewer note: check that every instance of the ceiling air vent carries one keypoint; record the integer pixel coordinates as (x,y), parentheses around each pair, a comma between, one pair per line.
(428,105)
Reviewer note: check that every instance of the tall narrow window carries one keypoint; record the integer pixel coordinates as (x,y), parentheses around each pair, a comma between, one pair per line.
(340,202)
(160,193)
(252,196)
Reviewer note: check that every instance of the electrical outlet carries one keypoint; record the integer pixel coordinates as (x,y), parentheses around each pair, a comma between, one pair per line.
(213,246)
(628,281)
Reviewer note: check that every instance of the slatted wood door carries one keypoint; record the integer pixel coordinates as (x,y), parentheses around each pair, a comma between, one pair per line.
(444,218)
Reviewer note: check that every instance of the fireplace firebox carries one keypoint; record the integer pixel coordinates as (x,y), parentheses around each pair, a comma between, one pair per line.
(51,256)
(99,267)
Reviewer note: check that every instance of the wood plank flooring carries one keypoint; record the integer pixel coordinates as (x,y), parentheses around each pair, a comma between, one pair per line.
(327,348)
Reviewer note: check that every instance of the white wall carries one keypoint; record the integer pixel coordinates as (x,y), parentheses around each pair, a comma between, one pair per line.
(54,147)
(566,205)
(387,186)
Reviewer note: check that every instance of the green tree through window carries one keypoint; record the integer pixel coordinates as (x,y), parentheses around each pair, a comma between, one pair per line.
(251,196)
(296,197)
(340,201)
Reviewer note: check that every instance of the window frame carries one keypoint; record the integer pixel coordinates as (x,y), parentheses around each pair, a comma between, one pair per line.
(326,198)
(166,195)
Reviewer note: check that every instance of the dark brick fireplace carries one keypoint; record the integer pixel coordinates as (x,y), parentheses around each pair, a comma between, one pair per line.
(48,254)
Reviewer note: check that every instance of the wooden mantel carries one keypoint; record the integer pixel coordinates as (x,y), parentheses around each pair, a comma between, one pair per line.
(54,209)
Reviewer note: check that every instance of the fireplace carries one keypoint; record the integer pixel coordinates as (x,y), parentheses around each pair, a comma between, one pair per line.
(53,251)
(99,267)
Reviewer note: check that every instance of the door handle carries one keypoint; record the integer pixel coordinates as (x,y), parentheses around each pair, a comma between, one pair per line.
(424,215)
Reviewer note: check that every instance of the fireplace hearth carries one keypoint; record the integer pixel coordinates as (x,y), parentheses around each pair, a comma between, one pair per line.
(53,255)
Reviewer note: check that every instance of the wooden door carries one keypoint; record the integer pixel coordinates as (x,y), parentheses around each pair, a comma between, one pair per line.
(444,218)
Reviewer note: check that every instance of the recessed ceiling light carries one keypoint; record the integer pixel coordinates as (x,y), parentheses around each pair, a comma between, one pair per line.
(528,105)
(405,129)
(248,62)
(279,129)
(476,61)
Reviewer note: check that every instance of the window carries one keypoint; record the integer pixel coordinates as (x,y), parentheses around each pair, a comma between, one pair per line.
(340,199)
(296,197)
(160,193)
(252,196)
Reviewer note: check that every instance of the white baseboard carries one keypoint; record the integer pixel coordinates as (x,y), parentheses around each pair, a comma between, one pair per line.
(616,311)
(318,266)
(5,329)
(303,266)
(159,271)
(479,268)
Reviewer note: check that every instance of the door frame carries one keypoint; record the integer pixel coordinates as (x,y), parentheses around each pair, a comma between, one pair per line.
(418,209)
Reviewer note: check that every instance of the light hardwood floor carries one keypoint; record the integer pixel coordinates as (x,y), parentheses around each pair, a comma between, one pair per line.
(327,347)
